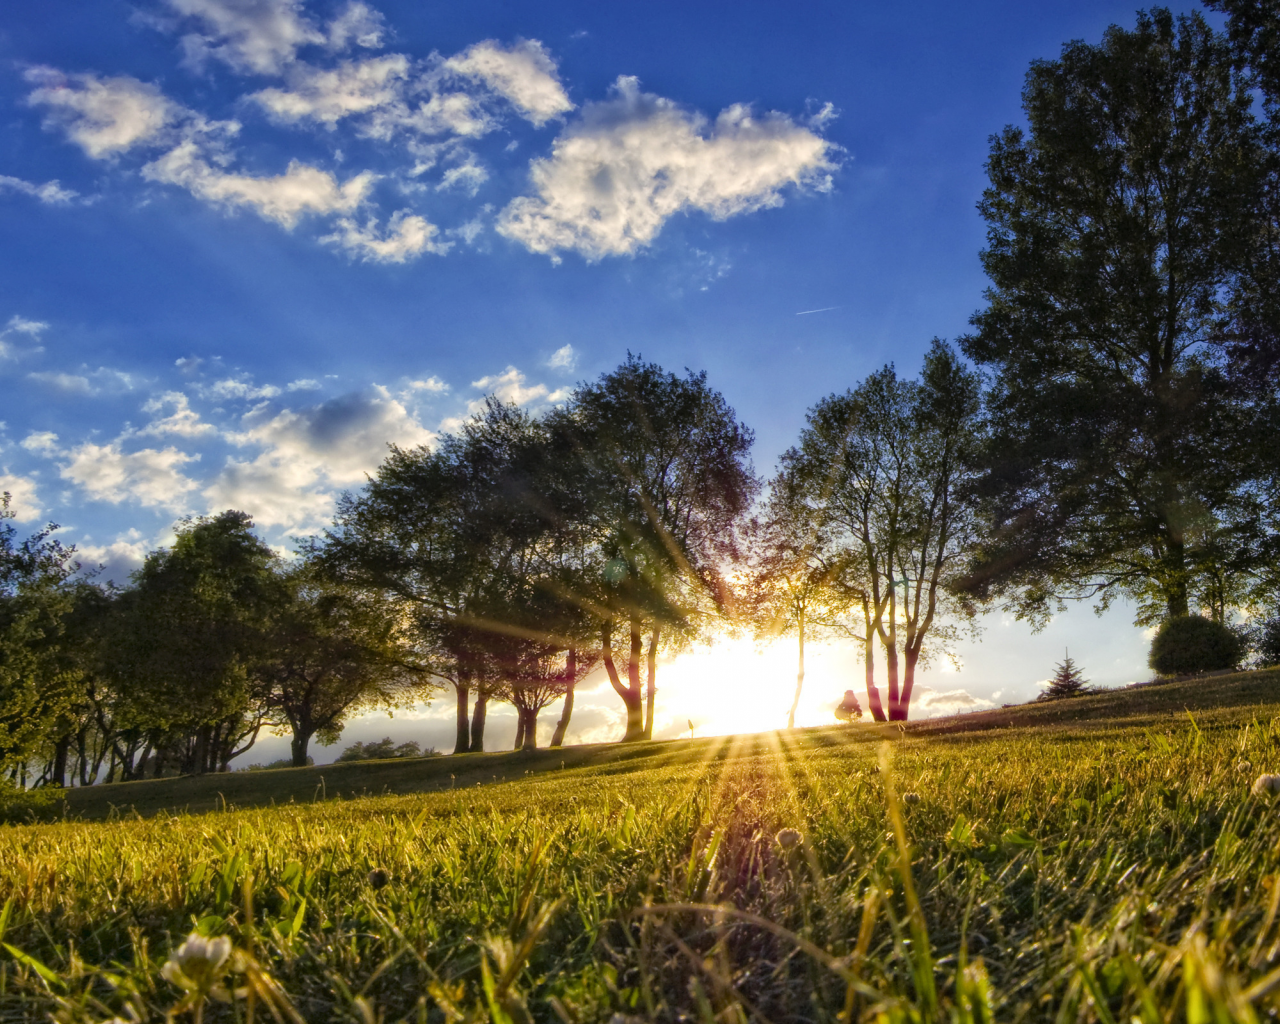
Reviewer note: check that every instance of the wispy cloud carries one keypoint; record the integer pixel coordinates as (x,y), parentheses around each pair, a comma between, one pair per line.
(563,358)
(51,192)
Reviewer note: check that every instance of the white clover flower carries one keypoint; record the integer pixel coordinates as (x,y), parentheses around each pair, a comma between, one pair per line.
(1243,767)
(1266,785)
(199,964)
(910,798)
(789,838)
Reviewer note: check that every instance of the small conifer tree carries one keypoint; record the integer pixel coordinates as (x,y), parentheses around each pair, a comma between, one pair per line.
(1067,681)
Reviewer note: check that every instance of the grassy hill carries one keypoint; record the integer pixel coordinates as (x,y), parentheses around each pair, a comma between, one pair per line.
(1098,859)
(1220,699)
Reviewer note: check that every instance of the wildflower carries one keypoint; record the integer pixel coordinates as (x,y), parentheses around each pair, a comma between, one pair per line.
(378,878)
(199,964)
(789,839)
(1243,767)
(910,798)
(1266,785)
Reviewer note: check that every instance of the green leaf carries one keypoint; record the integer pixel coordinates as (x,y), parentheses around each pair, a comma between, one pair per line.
(50,976)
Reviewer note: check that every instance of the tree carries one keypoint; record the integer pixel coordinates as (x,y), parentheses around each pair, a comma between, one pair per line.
(414,536)
(1122,458)
(192,644)
(1067,681)
(664,465)
(37,684)
(481,540)
(795,576)
(335,651)
(886,469)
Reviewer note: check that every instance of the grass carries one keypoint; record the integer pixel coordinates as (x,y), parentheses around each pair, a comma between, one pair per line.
(1097,860)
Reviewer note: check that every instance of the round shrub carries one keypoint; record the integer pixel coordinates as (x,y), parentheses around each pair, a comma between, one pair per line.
(1192,643)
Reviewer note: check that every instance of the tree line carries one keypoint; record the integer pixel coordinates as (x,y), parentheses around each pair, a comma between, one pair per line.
(1108,429)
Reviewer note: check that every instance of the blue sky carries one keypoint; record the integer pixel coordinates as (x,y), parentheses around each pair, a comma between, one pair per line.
(248,242)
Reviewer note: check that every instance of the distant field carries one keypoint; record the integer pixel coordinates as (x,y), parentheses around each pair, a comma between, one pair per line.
(1099,859)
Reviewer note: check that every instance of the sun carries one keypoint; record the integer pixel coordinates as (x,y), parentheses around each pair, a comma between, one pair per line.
(734,685)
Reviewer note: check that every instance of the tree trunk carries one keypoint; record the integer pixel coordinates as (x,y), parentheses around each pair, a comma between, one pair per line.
(462,743)
(571,674)
(477,721)
(869,658)
(520,725)
(631,696)
(82,756)
(60,751)
(795,702)
(910,657)
(1175,589)
(530,730)
(298,747)
(652,689)
(202,750)
(891,670)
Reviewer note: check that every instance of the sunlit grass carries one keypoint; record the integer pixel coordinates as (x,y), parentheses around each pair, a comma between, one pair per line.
(1109,873)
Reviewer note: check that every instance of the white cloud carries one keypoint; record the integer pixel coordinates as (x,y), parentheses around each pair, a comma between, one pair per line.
(282,198)
(34,328)
(151,477)
(508,386)
(523,74)
(309,454)
(407,235)
(303,384)
(259,36)
(444,113)
(120,558)
(43,442)
(933,703)
(86,382)
(327,96)
(563,358)
(466,177)
(629,163)
(18,325)
(470,230)
(103,116)
(51,192)
(433,385)
(182,420)
(23,501)
(241,389)
(359,24)
(264,36)
(71,383)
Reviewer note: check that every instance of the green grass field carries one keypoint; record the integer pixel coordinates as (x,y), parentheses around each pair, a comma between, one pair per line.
(1099,859)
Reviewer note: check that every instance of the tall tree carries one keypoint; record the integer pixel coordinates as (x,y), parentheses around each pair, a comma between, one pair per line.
(1121,459)
(666,465)
(413,534)
(885,469)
